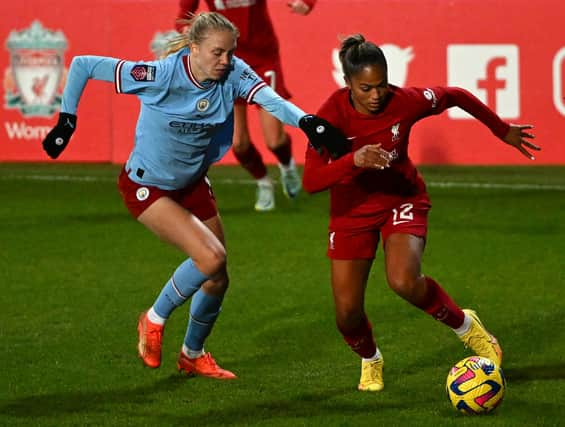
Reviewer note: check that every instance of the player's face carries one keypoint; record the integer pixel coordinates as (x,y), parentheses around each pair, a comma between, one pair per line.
(211,58)
(369,89)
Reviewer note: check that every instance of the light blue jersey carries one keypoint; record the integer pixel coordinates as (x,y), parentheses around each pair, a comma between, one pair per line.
(184,125)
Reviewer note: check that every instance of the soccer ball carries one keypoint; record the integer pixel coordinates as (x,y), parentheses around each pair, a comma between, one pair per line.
(475,385)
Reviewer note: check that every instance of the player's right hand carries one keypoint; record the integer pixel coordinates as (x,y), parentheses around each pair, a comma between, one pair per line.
(58,138)
(372,157)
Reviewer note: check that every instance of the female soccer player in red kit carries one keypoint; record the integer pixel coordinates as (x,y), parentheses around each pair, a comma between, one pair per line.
(258,46)
(376,192)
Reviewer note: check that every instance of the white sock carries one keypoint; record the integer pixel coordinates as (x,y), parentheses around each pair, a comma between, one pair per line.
(376,356)
(155,318)
(286,168)
(192,354)
(464,328)
(266,180)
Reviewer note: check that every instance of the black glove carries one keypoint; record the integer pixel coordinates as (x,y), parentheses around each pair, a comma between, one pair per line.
(323,135)
(58,138)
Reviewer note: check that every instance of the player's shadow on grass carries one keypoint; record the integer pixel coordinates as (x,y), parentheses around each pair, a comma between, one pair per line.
(534,373)
(302,405)
(59,404)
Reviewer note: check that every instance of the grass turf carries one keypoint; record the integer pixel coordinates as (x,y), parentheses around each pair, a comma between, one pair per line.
(76,271)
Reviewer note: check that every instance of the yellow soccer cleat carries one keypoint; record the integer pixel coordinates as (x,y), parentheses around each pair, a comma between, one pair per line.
(480,340)
(371,375)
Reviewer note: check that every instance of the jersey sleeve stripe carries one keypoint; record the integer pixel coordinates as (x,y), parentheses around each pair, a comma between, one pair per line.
(254,90)
(118,76)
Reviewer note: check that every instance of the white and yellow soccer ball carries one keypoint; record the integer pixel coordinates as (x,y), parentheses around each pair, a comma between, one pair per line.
(475,385)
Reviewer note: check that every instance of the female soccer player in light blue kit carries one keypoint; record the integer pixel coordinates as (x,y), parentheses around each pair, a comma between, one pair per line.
(185,125)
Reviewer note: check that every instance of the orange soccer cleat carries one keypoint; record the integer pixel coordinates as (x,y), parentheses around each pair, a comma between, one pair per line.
(149,345)
(204,365)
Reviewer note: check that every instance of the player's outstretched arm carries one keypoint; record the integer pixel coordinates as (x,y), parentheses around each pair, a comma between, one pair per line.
(81,70)
(516,137)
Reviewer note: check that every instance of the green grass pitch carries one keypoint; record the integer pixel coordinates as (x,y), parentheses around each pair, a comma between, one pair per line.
(76,270)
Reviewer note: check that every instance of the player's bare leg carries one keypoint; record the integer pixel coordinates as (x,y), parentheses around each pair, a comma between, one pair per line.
(249,157)
(349,280)
(403,255)
(279,142)
(203,273)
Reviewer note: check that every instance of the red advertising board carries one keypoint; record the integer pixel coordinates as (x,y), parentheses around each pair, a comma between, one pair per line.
(511,56)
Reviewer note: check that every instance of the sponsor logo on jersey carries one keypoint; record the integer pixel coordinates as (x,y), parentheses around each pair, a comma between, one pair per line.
(490,72)
(35,80)
(142,193)
(188,128)
(430,96)
(143,73)
(202,105)
(395,130)
(247,74)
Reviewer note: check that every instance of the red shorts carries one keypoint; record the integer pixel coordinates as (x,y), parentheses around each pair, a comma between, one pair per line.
(198,198)
(272,74)
(409,217)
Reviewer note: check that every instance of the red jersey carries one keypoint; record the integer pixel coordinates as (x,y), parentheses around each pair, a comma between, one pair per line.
(357,194)
(257,42)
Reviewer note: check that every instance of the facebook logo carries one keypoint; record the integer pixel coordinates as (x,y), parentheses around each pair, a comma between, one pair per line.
(488,71)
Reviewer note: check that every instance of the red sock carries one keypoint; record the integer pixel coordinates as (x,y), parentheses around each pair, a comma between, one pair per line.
(283,152)
(441,306)
(361,339)
(252,161)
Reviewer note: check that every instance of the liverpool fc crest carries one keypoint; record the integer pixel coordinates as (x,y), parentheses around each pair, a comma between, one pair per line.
(35,80)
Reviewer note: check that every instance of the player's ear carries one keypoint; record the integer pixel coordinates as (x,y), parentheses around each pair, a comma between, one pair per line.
(194,48)
(347,81)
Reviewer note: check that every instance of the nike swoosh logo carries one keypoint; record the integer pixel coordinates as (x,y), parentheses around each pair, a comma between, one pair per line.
(399,222)
(350,138)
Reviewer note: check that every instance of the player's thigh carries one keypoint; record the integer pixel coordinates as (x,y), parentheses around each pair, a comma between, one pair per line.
(403,257)
(174,224)
(349,280)
(241,136)
(216,226)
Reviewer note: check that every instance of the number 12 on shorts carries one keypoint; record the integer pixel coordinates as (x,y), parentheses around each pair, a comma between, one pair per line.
(403,214)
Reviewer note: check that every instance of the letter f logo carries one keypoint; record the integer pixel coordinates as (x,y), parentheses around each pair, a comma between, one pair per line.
(490,72)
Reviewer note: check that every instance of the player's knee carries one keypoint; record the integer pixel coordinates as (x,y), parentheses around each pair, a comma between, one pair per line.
(212,262)
(403,284)
(241,145)
(348,319)
(277,140)
(218,284)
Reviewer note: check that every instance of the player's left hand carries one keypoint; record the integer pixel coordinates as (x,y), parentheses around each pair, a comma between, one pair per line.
(516,137)
(58,138)
(299,7)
